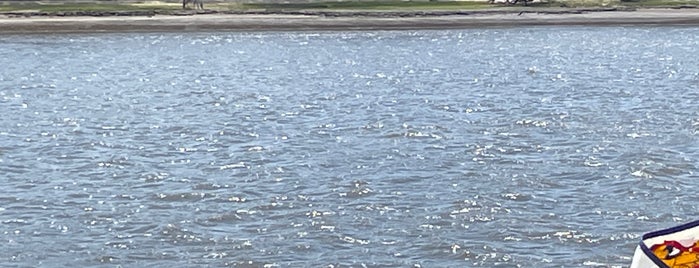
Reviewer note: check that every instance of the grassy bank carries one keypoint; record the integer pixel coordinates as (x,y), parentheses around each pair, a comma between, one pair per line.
(63,7)
(373,5)
(18,6)
(468,5)
(378,5)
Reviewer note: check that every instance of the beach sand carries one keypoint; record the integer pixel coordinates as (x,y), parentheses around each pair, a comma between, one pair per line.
(346,21)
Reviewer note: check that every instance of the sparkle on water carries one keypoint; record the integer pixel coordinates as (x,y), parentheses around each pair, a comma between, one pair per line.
(513,147)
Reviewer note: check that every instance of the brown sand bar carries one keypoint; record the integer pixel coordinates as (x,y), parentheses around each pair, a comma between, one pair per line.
(344,21)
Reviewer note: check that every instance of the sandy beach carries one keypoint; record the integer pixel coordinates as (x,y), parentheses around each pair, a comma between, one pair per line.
(13,23)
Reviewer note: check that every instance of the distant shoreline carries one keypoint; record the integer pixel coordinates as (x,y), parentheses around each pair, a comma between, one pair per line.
(141,21)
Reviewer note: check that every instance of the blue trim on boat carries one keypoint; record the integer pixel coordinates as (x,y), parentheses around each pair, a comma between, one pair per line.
(652,256)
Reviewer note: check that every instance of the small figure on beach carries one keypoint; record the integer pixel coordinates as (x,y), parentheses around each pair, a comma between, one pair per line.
(198,4)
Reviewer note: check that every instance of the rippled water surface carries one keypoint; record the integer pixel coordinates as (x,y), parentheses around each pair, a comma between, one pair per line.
(489,147)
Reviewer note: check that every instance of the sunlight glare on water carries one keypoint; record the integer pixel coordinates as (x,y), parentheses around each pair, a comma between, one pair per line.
(507,147)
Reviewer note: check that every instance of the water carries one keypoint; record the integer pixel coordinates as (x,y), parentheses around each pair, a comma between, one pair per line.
(547,146)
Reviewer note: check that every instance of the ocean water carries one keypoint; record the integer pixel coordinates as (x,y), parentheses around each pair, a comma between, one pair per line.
(497,147)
